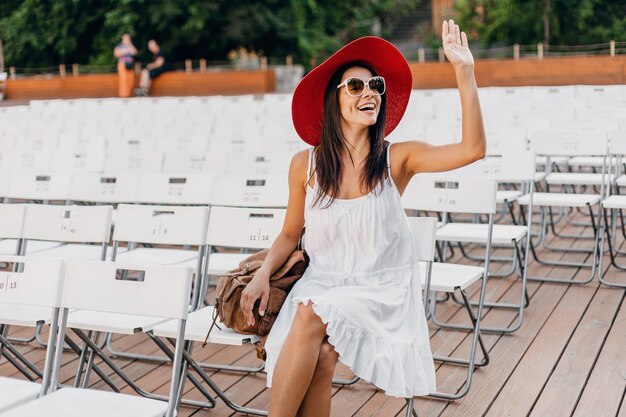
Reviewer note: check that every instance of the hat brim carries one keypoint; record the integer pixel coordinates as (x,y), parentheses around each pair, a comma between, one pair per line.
(307,106)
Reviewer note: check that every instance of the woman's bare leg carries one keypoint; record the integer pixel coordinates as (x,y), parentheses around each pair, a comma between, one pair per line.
(316,402)
(296,363)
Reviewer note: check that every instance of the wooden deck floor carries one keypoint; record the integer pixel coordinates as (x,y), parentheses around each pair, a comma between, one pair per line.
(568,358)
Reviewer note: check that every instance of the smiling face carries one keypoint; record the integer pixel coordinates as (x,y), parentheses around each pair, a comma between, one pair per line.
(358,111)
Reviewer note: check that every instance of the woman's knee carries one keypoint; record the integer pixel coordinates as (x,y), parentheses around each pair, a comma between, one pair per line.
(327,360)
(306,317)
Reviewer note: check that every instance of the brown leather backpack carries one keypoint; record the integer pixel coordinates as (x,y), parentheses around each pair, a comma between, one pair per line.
(232,284)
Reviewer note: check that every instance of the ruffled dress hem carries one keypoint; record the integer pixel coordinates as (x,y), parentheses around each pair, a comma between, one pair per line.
(374,359)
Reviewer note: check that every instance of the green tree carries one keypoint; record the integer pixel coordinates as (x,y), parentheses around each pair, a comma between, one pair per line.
(572,22)
(39,33)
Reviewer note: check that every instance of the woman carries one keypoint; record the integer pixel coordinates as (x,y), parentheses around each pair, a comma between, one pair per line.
(359,301)
(125,53)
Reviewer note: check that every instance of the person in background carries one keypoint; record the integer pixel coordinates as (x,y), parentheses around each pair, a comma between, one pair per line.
(158,66)
(125,53)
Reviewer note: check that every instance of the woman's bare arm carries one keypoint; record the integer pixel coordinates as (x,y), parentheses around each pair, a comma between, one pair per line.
(416,156)
(284,244)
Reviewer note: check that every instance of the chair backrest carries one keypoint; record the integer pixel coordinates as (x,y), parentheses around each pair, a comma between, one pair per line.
(501,141)
(618,142)
(149,290)
(250,190)
(239,227)
(127,162)
(431,193)
(90,224)
(196,163)
(506,167)
(12,220)
(175,189)
(173,225)
(40,186)
(76,162)
(30,280)
(424,234)
(103,188)
(276,163)
(573,143)
(25,161)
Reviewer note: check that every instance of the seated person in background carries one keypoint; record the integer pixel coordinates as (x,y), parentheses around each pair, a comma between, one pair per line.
(158,66)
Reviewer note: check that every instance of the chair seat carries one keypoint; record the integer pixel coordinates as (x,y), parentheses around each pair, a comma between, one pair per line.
(224,262)
(74,251)
(76,402)
(540,176)
(157,256)
(507,195)
(560,199)
(615,202)
(14,392)
(24,315)
(111,322)
(586,161)
(197,326)
(575,178)
(447,277)
(478,233)
(559,160)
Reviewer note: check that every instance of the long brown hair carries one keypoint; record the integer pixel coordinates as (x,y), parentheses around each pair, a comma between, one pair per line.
(328,166)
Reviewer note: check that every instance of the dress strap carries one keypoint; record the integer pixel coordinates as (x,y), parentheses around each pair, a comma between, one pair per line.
(389,162)
(308,170)
(389,177)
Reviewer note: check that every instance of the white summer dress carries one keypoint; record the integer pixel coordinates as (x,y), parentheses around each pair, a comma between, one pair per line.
(363,281)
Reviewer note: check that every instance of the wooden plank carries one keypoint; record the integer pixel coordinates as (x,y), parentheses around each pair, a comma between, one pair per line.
(525,384)
(562,391)
(605,389)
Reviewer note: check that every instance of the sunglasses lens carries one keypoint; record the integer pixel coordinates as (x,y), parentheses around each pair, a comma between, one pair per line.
(355,86)
(377,85)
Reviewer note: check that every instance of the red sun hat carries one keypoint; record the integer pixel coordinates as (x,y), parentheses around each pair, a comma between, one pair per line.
(307,106)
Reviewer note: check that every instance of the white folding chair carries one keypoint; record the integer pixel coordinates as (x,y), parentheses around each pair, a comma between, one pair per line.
(568,144)
(476,196)
(233,227)
(165,226)
(159,292)
(39,186)
(269,163)
(250,190)
(518,167)
(104,188)
(76,162)
(184,189)
(30,288)
(615,203)
(118,162)
(193,163)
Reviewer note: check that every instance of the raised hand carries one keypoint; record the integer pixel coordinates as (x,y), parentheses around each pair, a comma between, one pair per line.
(455,45)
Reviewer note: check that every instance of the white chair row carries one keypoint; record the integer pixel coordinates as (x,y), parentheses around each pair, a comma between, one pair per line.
(59,287)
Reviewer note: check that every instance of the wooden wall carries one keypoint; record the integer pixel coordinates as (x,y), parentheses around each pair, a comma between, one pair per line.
(549,71)
(169,84)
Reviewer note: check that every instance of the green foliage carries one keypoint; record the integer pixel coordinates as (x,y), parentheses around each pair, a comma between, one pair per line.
(40,33)
(572,22)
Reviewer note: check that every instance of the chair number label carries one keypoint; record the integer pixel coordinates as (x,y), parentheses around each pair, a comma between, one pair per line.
(259,236)
(251,196)
(67,227)
(8,285)
(160,230)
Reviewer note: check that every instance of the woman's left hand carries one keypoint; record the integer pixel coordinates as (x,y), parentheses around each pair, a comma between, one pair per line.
(455,46)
